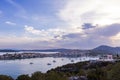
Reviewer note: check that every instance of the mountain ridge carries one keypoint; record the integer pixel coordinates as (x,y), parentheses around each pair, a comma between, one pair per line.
(100,50)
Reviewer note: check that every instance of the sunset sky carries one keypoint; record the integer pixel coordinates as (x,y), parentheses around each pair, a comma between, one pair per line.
(48,24)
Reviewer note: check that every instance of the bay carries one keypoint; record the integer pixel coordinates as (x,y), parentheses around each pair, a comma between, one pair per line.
(15,68)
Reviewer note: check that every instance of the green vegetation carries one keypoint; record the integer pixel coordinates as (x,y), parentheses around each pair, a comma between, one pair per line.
(55,76)
(114,73)
(23,77)
(4,77)
(90,70)
(38,76)
(96,74)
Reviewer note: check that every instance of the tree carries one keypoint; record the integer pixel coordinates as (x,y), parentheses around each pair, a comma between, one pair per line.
(54,76)
(91,75)
(4,77)
(81,72)
(114,73)
(23,77)
(97,74)
(38,76)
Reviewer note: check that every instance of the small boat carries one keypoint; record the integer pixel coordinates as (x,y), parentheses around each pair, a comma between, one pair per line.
(31,63)
(72,60)
(54,61)
(48,64)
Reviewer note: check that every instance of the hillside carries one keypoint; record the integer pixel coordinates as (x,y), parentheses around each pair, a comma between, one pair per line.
(103,49)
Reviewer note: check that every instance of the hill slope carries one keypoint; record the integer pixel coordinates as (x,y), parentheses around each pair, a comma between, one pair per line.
(103,49)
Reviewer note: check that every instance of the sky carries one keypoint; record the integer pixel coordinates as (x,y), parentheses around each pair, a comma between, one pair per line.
(52,24)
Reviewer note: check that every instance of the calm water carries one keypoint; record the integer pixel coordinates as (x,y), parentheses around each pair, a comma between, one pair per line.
(18,67)
(1,53)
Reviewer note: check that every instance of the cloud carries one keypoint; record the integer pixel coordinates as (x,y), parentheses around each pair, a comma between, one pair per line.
(107,35)
(31,29)
(24,42)
(106,31)
(115,39)
(10,23)
(83,41)
(57,38)
(43,34)
(85,24)
(77,12)
(89,38)
(27,42)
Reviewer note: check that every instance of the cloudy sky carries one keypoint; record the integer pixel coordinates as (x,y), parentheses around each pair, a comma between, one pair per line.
(46,24)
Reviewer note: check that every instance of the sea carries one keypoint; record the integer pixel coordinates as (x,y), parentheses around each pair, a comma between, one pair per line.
(17,67)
